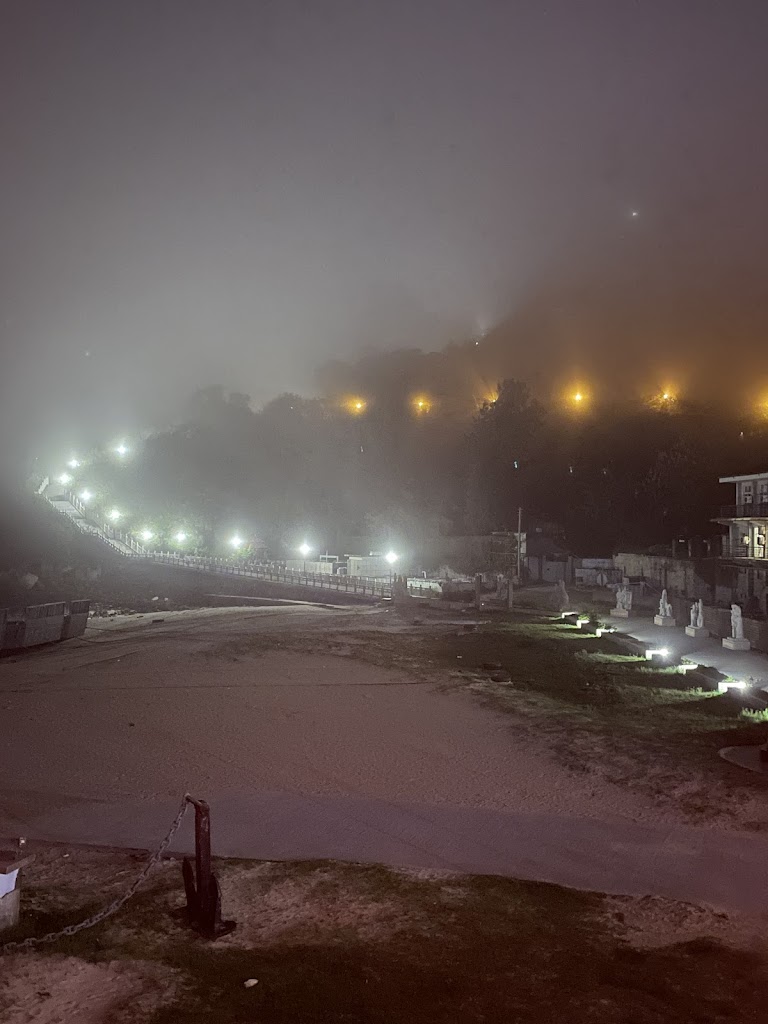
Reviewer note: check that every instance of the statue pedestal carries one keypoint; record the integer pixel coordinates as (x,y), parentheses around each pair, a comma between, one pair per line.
(696,631)
(619,613)
(664,620)
(734,643)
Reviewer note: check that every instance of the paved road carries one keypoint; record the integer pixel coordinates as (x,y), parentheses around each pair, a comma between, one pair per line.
(304,756)
(728,871)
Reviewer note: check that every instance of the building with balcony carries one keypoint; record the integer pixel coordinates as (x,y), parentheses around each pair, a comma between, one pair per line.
(747,519)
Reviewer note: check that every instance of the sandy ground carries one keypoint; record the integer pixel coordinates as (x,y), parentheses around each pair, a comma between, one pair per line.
(143,711)
(61,989)
(307,756)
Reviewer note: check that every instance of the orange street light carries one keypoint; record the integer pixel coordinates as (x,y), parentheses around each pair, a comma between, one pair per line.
(421,405)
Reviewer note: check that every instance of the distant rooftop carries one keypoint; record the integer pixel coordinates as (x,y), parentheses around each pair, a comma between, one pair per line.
(739,479)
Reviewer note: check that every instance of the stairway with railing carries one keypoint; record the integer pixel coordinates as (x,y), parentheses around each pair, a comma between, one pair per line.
(69,505)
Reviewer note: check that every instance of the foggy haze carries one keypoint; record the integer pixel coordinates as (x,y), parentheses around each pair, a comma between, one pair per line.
(235,192)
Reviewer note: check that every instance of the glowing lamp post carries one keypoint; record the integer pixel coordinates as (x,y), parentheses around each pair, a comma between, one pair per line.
(114,514)
(121,449)
(64,479)
(236,542)
(304,550)
(391,558)
(146,535)
(180,537)
(85,496)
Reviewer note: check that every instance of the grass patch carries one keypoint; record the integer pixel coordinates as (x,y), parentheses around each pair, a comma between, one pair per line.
(754,715)
(339,943)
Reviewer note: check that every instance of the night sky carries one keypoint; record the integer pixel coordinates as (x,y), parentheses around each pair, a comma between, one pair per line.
(234,191)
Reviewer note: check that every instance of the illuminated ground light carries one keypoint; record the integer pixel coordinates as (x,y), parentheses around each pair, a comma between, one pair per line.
(731,684)
(657,652)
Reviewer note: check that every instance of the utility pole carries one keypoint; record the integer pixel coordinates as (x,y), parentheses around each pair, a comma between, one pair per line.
(519,539)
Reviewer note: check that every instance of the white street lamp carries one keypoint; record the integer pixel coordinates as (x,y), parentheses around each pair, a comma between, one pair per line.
(121,449)
(65,478)
(304,550)
(146,535)
(180,537)
(85,496)
(236,542)
(114,514)
(73,463)
(391,557)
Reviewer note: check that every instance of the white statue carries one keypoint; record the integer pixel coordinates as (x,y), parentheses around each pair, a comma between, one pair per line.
(562,596)
(694,614)
(737,623)
(699,614)
(665,608)
(624,598)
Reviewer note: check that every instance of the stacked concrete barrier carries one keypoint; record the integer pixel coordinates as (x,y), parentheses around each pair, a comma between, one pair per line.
(76,619)
(13,630)
(42,624)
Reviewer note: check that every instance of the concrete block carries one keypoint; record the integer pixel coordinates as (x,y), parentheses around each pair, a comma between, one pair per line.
(663,620)
(619,613)
(696,631)
(736,643)
(9,909)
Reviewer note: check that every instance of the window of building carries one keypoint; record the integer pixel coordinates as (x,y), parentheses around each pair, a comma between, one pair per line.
(746,493)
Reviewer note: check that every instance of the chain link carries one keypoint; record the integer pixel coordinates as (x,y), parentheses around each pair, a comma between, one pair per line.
(111,908)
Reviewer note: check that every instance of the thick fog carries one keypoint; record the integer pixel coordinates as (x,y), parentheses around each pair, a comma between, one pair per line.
(236,192)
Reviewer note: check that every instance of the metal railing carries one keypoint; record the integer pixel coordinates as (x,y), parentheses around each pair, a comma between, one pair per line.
(752,510)
(753,551)
(124,544)
(361,585)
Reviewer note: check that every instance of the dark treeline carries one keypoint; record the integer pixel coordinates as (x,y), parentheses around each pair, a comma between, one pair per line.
(381,465)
